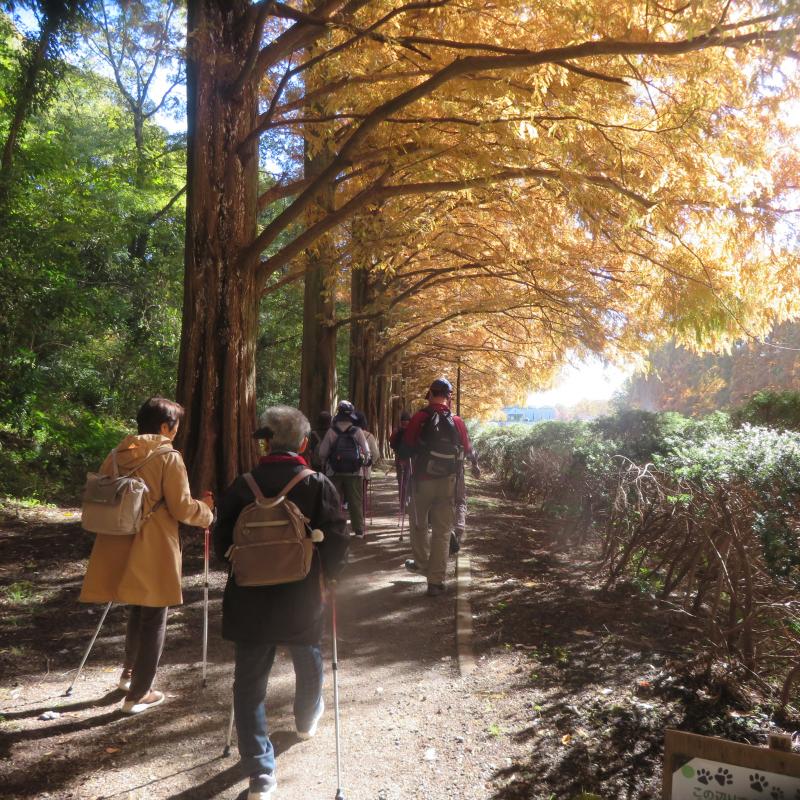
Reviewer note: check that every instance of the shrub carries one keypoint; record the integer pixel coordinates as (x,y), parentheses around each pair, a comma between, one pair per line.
(776,409)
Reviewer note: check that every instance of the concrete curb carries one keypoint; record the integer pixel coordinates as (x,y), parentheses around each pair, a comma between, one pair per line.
(466,656)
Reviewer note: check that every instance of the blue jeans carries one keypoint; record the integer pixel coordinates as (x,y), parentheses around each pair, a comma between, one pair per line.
(253,664)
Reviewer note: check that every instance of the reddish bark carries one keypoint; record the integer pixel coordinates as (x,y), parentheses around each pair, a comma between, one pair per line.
(216,379)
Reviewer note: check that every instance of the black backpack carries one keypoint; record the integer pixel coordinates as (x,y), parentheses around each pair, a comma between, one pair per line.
(346,456)
(440,445)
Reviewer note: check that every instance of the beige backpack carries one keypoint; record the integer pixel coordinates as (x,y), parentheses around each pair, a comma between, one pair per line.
(114,504)
(272,542)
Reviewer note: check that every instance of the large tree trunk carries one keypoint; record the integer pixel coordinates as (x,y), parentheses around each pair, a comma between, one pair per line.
(361,342)
(216,378)
(318,364)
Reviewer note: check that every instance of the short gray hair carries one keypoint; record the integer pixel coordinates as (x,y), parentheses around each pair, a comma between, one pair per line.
(288,427)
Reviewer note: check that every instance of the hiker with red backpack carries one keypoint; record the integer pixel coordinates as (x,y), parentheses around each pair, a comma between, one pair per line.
(345,453)
(281,530)
(439,442)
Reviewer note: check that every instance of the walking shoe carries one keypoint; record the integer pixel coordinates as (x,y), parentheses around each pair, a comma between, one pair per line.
(312,728)
(435,589)
(125,680)
(360,535)
(261,787)
(411,565)
(150,700)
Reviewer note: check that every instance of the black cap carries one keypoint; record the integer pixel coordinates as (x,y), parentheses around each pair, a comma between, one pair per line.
(263,433)
(441,386)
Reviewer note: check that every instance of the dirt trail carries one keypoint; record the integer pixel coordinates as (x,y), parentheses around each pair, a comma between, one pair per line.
(411,726)
(571,694)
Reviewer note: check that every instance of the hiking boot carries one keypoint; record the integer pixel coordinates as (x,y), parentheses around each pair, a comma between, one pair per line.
(150,700)
(261,787)
(125,680)
(435,589)
(312,728)
(411,565)
(360,535)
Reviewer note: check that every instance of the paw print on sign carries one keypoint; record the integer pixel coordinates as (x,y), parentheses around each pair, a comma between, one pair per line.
(758,782)
(723,776)
(704,776)
(777,793)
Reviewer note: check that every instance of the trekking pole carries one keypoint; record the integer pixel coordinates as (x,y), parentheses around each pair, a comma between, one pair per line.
(371,519)
(88,649)
(335,667)
(206,536)
(227,749)
(364,506)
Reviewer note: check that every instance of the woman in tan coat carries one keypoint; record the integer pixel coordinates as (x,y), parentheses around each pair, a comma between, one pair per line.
(144,570)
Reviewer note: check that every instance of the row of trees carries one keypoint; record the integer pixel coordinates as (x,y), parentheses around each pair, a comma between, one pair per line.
(413,187)
(680,380)
(496,183)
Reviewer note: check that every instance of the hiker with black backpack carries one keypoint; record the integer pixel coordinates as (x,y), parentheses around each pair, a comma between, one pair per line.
(439,442)
(345,453)
(281,531)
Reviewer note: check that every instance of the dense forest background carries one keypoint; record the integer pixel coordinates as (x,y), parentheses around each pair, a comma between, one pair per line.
(92,235)
(91,273)
(679,380)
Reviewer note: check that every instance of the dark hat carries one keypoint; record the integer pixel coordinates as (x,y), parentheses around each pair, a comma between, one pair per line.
(264,432)
(345,407)
(441,386)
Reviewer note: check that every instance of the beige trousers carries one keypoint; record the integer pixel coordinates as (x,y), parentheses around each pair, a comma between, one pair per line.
(430,547)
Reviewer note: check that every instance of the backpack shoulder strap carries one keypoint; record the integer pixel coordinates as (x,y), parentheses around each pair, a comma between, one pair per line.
(251,482)
(304,473)
(160,450)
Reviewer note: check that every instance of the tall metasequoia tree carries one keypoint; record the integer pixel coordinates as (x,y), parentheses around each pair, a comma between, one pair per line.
(216,379)
(318,365)
(620,121)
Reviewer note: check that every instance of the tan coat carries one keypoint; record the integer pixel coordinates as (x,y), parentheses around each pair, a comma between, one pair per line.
(145,569)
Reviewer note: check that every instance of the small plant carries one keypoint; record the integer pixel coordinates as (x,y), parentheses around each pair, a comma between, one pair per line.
(21,592)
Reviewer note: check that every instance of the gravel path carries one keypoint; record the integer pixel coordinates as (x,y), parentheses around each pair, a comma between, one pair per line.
(411,726)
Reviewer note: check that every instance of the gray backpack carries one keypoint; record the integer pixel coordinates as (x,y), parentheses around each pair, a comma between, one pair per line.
(114,504)
(272,541)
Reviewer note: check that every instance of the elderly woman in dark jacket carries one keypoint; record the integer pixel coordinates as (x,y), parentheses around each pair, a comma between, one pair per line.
(258,618)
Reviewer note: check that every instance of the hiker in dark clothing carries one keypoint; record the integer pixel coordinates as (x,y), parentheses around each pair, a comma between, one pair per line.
(258,618)
(345,452)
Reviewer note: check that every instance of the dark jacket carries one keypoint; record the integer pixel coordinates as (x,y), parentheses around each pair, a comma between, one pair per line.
(291,613)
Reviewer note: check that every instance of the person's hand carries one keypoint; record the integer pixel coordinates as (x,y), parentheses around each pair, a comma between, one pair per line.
(208,499)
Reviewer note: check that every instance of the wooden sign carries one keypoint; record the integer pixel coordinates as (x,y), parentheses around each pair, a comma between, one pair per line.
(705,768)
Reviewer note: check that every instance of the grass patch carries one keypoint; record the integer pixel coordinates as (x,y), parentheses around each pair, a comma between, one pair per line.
(20,593)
